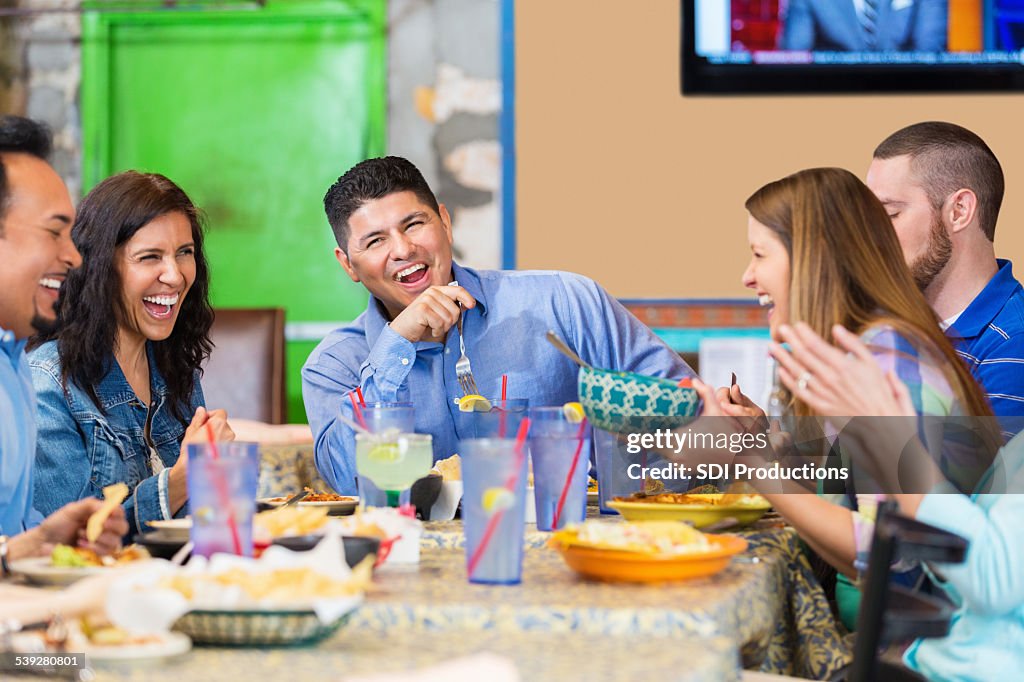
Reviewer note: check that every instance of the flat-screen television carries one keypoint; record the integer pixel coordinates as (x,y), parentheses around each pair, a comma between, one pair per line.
(851,46)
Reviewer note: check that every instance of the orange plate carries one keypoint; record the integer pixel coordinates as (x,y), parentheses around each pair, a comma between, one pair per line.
(635,567)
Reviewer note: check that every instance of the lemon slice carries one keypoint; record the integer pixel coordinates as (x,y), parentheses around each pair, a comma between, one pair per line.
(497,499)
(474,403)
(573,413)
(385,452)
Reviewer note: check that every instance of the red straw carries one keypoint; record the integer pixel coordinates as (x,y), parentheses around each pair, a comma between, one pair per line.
(359,392)
(222,491)
(572,470)
(501,415)
(510,485)
(357,412)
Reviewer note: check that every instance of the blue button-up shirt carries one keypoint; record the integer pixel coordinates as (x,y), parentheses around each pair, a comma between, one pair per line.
(989,336)
(504,334)
(17,437)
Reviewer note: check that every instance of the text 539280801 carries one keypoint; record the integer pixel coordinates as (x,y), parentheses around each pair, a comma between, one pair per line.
(41,662)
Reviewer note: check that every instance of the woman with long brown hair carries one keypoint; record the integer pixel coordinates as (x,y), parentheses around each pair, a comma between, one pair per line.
(117,380)
(824,253)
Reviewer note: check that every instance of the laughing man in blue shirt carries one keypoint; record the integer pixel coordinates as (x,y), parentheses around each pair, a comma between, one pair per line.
(396,240)
(36,253)
(943,186)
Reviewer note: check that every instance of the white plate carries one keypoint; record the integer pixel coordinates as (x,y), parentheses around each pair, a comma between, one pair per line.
(171,644)
(338,508)
(173,529)
(41,571)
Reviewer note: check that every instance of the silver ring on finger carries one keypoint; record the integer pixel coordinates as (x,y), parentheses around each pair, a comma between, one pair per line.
(803,381)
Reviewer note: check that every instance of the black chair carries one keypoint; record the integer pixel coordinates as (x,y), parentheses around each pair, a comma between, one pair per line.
(890,613)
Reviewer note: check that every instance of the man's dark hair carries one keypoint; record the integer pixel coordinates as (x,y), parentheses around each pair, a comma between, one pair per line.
(945,158)
(24,136)
(90,304)
(369,180)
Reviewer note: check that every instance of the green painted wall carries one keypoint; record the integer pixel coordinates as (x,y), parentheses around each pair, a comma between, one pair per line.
(254,114)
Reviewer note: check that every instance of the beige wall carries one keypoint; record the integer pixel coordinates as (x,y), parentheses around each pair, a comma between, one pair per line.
(622,179)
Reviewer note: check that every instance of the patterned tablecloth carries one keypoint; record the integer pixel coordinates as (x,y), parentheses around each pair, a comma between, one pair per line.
(287,469)
(767,602)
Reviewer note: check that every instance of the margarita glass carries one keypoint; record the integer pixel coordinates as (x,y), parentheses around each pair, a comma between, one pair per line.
(393,460)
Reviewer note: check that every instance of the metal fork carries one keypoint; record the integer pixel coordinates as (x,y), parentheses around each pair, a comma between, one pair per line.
(463,372)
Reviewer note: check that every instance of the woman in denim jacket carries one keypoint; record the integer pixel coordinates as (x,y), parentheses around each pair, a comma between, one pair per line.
(118,380)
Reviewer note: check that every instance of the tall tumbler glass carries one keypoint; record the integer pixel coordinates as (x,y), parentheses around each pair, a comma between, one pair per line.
(613,461)
(560,451)
(380,417)
(493,509)
(621,473)
(222,480)
(501,421)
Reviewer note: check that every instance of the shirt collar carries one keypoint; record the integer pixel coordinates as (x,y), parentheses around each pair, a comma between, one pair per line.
(114,389)
(10,344)
(986,305)
(467,278)
(950,321)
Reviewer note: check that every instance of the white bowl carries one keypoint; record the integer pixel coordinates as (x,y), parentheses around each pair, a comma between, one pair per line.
(531,506)
(447,502)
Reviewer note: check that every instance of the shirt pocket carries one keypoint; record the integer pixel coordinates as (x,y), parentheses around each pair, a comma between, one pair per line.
(115,459)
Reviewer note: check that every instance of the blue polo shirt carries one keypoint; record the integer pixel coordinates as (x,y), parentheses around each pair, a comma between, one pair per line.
(17,437)
(989,336)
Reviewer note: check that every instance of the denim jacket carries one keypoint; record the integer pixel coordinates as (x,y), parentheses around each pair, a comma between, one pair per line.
(81,449)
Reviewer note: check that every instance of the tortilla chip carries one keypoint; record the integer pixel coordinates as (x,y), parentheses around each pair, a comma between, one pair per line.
(113,495)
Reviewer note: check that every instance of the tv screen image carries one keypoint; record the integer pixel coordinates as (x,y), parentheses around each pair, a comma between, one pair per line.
(778,46)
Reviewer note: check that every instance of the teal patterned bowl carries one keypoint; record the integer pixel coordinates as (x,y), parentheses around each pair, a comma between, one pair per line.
(624,402)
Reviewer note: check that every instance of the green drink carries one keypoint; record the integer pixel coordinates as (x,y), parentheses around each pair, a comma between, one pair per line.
(393,461)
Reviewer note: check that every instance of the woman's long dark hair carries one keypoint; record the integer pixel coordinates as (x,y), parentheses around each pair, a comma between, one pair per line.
(90,305)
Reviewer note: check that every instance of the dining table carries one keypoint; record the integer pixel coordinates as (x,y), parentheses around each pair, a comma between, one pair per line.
(764,612)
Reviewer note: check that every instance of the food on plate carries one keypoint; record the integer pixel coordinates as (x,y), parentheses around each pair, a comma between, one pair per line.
(698,499)
(736,495)
(652,486)
(474,403)
(288,521)
(650,537)
(314,496)
(360,527)
(98,632)
(280,585)
(450,468)
(64,556)
(113,495)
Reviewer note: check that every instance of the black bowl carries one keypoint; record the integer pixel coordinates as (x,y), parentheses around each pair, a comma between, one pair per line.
(356,548)
(159,545)
(424,494)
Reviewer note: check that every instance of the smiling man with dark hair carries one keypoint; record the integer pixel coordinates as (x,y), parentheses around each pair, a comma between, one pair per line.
(36,254)
(396,239)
